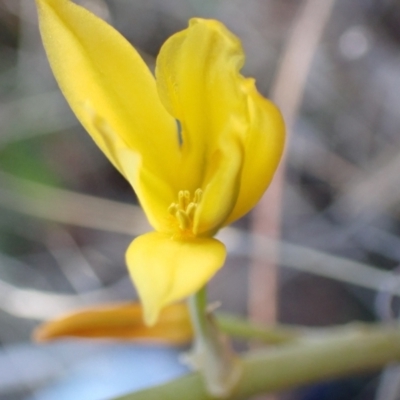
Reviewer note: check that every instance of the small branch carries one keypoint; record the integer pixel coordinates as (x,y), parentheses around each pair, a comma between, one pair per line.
(242,328)
(335,352)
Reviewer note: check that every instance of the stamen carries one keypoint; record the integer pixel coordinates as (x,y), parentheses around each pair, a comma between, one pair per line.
(186,195)
(184,210)
(198,194)
(183,220)
(173,208)
(191,208)
(181,199)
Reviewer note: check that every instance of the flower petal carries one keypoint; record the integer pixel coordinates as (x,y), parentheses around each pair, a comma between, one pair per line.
(221,190)
(107,84)
(166,270)
(154,192)
(263,147)
(120,322)
(199,83)
(197,79)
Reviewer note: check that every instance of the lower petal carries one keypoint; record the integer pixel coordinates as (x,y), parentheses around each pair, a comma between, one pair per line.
(166,270)
(263,147)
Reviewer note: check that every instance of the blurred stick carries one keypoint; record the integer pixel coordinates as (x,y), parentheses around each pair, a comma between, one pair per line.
(63,206)
(287,93)
(71,208)
(288,87)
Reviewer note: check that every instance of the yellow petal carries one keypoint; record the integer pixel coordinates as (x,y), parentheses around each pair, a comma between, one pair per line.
(111,91)
(264,143)
(120,322)
(166,270)
(199,83)
(196,72)
(221,190)
(155,193)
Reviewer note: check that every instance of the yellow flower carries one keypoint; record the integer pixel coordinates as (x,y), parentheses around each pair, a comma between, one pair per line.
(198,144)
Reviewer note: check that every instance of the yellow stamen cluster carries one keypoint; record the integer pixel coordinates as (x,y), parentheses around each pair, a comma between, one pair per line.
(185,208)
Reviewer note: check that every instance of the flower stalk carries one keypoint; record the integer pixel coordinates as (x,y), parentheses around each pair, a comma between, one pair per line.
(212,354)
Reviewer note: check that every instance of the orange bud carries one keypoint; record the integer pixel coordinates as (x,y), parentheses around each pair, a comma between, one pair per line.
(122,321)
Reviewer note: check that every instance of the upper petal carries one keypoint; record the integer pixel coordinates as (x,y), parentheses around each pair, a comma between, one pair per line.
(221,188)
(166,270)
(263,147)
(103,78)
(197,78)
(232,137)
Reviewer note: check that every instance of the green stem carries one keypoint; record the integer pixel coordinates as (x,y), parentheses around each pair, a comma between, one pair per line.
(198,310)
(239,327)
(335,352)
(211,354)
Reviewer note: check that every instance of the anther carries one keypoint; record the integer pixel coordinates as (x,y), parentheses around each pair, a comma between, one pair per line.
(198,194)
(186,194)
(181,199)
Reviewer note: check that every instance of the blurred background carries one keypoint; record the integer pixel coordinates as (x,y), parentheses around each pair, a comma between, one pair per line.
(66,216)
